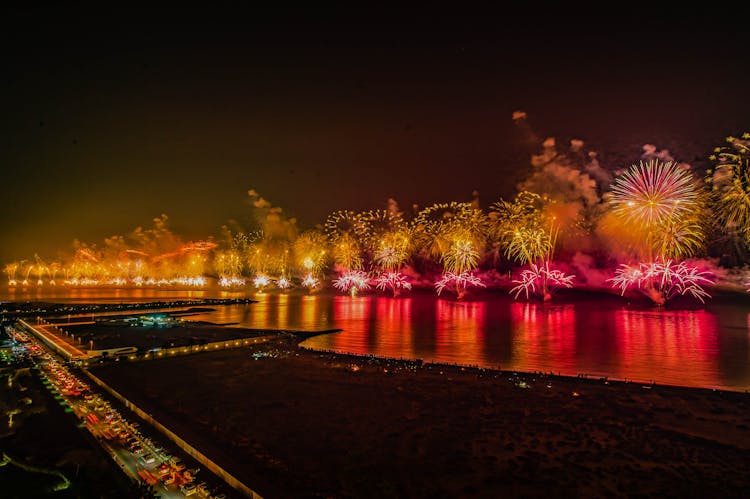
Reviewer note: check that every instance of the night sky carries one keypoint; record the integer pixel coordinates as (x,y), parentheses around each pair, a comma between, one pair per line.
(109,120)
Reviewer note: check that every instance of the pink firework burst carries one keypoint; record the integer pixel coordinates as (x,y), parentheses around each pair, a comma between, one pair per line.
(661,281)
(459,282)
(650,193)
(310,281)
(395,281)
(541,280)
(352,282)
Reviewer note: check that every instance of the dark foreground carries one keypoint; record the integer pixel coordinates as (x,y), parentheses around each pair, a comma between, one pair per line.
(51,456)
(301,424)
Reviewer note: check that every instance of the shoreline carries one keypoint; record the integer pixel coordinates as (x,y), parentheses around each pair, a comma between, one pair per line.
(428,364)
(473,368)
(52,308)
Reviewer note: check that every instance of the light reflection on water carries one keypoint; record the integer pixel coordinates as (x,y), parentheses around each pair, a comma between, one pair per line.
(675,341)
(65,294)
(598,336)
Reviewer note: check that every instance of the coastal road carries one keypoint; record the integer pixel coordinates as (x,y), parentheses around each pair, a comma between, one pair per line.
(142,459)
(53,337)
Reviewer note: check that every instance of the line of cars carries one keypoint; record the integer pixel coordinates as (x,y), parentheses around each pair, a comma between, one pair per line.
(138,455)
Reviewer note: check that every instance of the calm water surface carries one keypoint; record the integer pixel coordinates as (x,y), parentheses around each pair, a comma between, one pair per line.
(600,336)
(62,294)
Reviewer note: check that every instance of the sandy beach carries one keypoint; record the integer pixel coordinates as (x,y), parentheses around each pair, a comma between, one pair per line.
(294,423)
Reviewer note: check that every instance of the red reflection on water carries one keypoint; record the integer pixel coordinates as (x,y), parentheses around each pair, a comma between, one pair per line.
(460,331)
(682,343)
(395,327)
(350,313)
(543,337)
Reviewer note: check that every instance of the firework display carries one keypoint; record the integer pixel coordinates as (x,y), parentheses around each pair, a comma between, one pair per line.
(662,201)
(310,282)
(662,281)
(529,232)
(729,182)
(454,234)
(459,282)
(343,229)
(395,281)
(352,281)
(652,193)
(283,283)
(641,226)
(541,279)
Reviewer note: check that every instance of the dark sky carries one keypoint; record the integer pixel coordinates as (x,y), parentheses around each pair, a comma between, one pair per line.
(110,119)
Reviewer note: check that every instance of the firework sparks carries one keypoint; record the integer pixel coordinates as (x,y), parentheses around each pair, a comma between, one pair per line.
(342,229)
(660,204)
(152,257)
(352,282)
(395,281)
(458,282)
(310,281)
(182,281)
(436,226)
(309,251)
(346,253)
(52,271)
(283,283)
(651,193)
(342,222)
(436,218)
(385,238)
(682,237)
(374,224)
(526,206)
(540,279)
(231,282)
(462,255)
(193,282)
(261,281)
(522,226)
(454,232)
(529,244)
(10,270)
(392,249)
(730,181)
(662,281)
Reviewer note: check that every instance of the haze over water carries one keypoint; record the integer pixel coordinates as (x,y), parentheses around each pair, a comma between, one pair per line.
(600,336)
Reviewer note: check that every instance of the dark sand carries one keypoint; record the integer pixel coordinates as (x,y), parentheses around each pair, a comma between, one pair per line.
(302,424)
